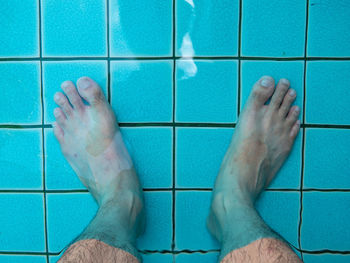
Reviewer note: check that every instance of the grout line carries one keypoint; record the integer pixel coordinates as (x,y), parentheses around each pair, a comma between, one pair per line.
(329,126)
(239,60)
(18,126)
(108,56)
(29,253)
(301,190)
(326,251)
(174,252)
(19,59)
(77,191)
(180,124)
(174,129)
(312,252)
(43,133)
(171,124)
(304,133)
(325,190)
(281,190)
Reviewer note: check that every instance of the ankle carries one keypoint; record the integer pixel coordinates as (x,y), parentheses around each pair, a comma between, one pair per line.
(235,222)
(230,200)
(233,213)
(127,206)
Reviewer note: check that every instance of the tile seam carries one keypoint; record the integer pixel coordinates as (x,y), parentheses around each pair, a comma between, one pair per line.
(303,134)
(63,58)
(43,131)
(173,245)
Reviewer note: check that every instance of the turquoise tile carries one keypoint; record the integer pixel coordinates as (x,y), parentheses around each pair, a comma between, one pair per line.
(197,257)
(140,28)
(142,90)
(289,174)
(67,217)
(192,209)
(207,92)
(19,22)
(252,71)
(327,92)
(59,174)
(22,215)
(327,158)
(22,259)
(328,29)
(54,73)
(280,211)
(202,28)
(325,258)
(325,221)
(158,234)
(54,259)
(273,28)
(157,258)
(151,151)
(20,151)
(74,28)
(199,154)
(20,93)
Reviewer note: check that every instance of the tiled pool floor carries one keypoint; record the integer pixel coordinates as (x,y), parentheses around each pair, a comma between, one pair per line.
(177,72)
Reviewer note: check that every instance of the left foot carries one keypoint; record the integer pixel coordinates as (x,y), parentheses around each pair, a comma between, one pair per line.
(262,140)
(91,142)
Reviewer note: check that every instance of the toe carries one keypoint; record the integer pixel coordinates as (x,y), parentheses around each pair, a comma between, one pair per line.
(262,91)
(73,95)
(293,115)
(90,91)
(60,117)
(58,132)
(295,129)
(62,101)
(281,90)
(287,102)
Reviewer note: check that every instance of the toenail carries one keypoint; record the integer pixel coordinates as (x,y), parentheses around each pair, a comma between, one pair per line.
(292,93)
(285,81)
(84,83)
(297,110)
(57,97)
(266,82)
(65,84)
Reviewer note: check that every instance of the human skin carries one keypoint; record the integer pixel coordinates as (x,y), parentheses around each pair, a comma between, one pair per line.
(262,140)
(91,141)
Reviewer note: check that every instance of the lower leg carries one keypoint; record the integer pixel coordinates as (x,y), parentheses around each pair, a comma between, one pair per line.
(262,140)
(111,235)
(244,236)
(263,250)
(92,250)
(91,142)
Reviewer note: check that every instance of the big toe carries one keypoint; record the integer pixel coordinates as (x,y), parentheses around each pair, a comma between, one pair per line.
(91,91)
(262,91)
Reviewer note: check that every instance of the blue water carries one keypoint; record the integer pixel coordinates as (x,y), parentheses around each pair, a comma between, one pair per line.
(177,74)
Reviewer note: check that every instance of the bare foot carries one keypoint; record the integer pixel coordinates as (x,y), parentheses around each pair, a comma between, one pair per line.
(262,140)
(91,142)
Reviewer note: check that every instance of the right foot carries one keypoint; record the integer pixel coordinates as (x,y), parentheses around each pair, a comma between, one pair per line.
(91,142)
(262,140)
